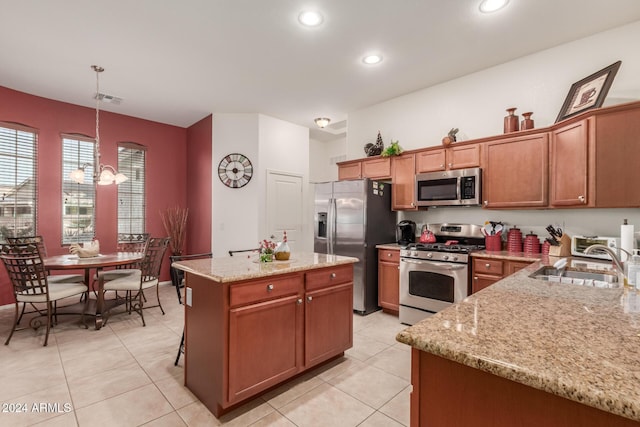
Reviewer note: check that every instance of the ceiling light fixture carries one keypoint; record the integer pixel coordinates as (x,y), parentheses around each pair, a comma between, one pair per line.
(489,6)
(372,59)
(102,174)
(310,18)
(322,122)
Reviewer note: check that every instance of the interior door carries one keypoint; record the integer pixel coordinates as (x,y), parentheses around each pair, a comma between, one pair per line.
(284,207)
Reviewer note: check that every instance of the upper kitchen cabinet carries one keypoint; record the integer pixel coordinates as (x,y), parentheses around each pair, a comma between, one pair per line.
(374,168)
(440,159)
(403,178)
(570,172)
(515,172)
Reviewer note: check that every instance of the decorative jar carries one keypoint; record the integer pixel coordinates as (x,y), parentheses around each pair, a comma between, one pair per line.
(511,121)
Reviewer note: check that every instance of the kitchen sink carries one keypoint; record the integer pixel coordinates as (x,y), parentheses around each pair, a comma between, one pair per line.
(596,279)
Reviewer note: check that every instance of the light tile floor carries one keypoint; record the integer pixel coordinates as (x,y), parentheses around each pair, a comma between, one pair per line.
(123,375)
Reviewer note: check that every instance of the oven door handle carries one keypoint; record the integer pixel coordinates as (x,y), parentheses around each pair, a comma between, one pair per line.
(446,266)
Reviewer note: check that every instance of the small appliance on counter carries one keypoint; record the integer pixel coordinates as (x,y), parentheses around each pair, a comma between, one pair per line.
(580,243)
(406,232)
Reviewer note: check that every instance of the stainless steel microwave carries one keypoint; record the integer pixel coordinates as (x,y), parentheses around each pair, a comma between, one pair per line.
(460,187)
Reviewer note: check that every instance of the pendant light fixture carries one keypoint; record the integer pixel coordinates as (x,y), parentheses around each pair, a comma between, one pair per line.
(322,122)
(103,174)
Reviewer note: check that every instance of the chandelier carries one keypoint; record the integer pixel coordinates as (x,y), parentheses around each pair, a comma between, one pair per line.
(102,174)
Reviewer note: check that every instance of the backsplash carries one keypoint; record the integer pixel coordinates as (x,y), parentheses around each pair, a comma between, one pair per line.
(601,222)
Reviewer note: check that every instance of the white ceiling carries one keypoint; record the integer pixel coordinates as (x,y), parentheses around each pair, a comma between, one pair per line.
(178,61)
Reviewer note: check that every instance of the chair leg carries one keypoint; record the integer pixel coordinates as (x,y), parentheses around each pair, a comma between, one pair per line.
(179,293)
(15,323)
(158,296)
(49,315)
(180,349)
(24,306)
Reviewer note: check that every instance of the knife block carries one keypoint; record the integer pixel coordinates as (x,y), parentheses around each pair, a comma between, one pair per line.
(564,249)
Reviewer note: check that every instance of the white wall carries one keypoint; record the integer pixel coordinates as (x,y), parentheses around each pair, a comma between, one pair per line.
(238,214)
(323,157)
(476,105)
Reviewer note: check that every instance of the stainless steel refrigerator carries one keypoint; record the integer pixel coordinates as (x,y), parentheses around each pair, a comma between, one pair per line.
(351,218)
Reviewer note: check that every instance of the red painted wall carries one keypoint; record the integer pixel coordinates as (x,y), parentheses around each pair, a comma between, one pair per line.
(166,166)
(199,137)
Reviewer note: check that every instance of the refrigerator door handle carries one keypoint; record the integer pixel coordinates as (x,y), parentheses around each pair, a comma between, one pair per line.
(331,226)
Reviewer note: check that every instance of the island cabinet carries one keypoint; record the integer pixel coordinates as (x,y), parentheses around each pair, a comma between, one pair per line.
(247,336)
(487,271)
(440,159)
(516,172)
(389,280)
(403,178)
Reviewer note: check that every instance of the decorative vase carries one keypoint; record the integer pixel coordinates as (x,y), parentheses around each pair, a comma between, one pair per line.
(527,122)
(266,256)
(511,121)
(282,251)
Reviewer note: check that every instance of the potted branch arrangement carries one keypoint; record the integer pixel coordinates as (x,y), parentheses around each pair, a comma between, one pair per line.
(175,224)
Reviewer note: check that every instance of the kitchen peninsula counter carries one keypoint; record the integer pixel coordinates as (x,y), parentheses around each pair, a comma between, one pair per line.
(535,347)
(250,326)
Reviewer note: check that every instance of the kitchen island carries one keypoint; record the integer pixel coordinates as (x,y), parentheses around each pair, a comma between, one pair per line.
(529,352)
(250,326)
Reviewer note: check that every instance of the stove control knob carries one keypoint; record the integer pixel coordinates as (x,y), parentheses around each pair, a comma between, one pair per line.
(445,257)
(455,258)
(414,253)
(429,255)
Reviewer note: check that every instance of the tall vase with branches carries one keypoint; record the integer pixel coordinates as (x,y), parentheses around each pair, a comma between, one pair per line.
(174,220)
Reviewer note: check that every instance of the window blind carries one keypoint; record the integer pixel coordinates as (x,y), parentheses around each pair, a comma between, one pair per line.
(131,193)
(78,200)
(18,189)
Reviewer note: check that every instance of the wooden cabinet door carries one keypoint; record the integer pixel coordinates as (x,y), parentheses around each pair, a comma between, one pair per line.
(516,172)
(480,282)
(350,171)
(403,178)
(389,280)
(377,168)
(431,161)
(569,165)
(328,323)
(466,156)
(515,266)
(265,345)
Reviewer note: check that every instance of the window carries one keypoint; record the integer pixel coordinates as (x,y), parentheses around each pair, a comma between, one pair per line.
(131,194)
(18,190)
(78,200)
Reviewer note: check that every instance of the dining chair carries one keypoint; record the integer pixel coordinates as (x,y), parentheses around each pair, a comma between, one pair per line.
(136,242)
(177,278)
(31,285)
(144,277)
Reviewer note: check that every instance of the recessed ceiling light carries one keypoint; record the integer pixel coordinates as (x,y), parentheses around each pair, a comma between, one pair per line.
(488,6)
(372,59)
(310,18)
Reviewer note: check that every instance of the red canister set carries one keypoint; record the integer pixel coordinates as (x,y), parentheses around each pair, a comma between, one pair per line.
(515,243)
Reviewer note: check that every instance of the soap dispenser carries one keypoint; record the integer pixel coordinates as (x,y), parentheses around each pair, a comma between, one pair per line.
(633,270)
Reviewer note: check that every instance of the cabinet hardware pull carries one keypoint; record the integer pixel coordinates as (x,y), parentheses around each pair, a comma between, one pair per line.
(582,199)
(299,301)
(442,166)
(486,202)
(269,287)
(333,275)
(389,254)
(309,298)
(475,277)
(450,165)
(487,265)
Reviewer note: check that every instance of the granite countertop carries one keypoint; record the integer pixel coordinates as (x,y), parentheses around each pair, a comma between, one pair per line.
(391,246)
(577,342)
(244,267)
(512,256)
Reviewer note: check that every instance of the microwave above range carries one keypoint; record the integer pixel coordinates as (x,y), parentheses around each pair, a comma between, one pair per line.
(460,187)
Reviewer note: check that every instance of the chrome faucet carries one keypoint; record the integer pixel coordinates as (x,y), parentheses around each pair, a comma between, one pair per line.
(611,252)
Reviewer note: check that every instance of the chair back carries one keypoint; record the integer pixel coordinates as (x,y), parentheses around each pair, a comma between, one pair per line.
(152,261)
(132,242)
(178,275)
(25,268)
(37,240)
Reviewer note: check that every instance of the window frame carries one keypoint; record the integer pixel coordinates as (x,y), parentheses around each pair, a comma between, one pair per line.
(128,193)
(18,129)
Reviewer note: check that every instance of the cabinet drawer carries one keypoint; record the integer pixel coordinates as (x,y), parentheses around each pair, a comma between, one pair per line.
(388,255)
(328,277)
(263,290)
(494,267)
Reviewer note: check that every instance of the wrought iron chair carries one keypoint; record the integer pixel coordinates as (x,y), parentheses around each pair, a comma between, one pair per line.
(127,243)
(177,277)
(31,285)
(145,277)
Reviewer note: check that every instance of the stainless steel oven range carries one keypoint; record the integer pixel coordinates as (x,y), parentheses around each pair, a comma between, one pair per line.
(435,275)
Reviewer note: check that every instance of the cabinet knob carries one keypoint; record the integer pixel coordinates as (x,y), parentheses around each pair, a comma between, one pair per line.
(442,166)
(389,254)
(475,277)
(299,301)
(309,298)
(332,275)
(487,265)
(450,165)
(582,199)
(269,287)
(486,202)
(413,205)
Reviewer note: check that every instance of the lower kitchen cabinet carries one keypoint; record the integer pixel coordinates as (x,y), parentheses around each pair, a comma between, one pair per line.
(389,280)
(487,271)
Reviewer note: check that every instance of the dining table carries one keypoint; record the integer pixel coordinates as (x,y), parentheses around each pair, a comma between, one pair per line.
(97,263)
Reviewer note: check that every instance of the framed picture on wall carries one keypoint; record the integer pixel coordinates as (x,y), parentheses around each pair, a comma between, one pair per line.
(589,92)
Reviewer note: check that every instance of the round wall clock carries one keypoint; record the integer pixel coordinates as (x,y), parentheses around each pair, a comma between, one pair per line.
(235,170)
